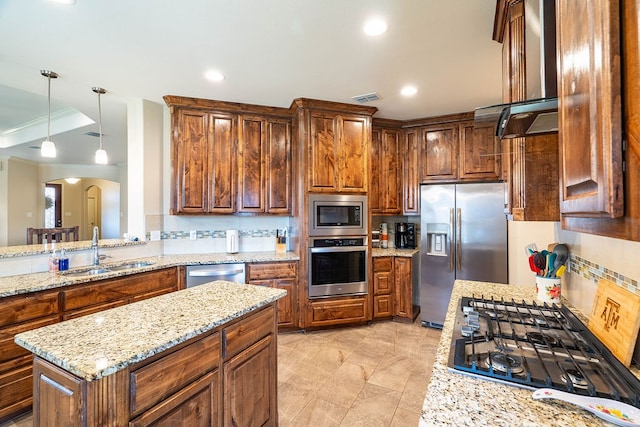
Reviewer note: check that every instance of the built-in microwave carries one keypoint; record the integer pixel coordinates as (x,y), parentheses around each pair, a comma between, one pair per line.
(337,215)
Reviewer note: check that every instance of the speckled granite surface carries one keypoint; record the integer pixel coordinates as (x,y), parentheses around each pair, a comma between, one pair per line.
(454,399)
(378,252)
(100,344)
(14,285)
(46,248)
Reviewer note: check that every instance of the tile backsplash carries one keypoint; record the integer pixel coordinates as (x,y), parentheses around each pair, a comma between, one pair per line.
(594,272)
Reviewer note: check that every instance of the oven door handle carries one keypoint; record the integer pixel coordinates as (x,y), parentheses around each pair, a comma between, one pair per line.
(338,249)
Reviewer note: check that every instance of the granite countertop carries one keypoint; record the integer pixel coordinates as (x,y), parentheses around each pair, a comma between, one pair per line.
(100,344)
(378,252)
(46,248)
(455,399)
(15,285)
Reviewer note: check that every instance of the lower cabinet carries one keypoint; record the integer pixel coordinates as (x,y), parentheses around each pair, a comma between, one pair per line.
(226,377)
(281,275)
(21,313)
(337,311)
(395,281)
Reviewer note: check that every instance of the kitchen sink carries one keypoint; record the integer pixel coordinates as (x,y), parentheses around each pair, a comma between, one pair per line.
(130,265)
(90,272)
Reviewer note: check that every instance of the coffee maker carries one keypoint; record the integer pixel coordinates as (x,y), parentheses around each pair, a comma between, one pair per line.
(405,235)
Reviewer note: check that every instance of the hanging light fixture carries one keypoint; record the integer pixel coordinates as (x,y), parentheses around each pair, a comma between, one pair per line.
(101,154)
(48,148)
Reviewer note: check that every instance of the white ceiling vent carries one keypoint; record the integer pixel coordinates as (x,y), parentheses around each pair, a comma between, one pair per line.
(92,133)
(367,97)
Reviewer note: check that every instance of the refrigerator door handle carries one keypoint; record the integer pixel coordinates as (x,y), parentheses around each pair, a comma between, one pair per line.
(451,266)
(459,238)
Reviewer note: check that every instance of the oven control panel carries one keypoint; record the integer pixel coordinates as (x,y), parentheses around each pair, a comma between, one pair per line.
(330,243)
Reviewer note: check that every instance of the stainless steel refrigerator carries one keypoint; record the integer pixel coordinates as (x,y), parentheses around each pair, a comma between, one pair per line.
(463,236)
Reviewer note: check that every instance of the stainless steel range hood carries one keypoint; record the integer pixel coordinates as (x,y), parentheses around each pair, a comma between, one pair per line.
(519,119)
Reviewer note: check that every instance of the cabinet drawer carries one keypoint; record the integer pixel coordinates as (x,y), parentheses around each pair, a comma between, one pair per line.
(152,383)
(382,306)
(16,389)
(382,264)
(21,308)
(8,348)
(272,270)
(119,289)
(243,334)
(338,312)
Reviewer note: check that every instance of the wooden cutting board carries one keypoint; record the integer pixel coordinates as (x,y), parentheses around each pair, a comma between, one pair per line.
(615,319)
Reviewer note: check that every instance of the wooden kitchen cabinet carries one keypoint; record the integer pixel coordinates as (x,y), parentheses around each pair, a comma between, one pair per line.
(203,174)
(404,288)
(230,158)
(383,286)
(264,165)
(529,165)
(222,377)
(281,275)
(604,132)
(337,311)
(452,150)
(385,186)
(18,314)
(590,108)
(410,168)
(335,143)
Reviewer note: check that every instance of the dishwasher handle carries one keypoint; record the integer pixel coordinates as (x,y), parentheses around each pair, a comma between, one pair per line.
(215,273)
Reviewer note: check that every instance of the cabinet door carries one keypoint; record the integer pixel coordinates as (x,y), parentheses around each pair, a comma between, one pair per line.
(279,171)
(59,396)
(589,67)
(190,168)
(440,153)
(402,287)
(391,171)
(221,166)
(251,174)
(250,387)
(479,154)
(382,275)
(410,183)
(323,163)
(354,153)
(375,192)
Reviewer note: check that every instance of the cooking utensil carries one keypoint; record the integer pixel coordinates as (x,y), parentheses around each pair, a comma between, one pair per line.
(551,264)
(540,261)
(532,264)
(615,412)
(560,271)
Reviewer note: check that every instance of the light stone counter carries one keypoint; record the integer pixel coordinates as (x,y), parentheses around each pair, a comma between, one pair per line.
(100,344)
(454,399)
(46,248)
(14,285)
(379,252)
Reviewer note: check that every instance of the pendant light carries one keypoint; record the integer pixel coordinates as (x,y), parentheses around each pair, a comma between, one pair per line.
(48,148)
(101,154)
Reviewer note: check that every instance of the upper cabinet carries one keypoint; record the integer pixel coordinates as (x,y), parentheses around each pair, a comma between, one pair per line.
(229,158)
(337,138)
(385,184)
(606,78)
(590,108)
(529,165)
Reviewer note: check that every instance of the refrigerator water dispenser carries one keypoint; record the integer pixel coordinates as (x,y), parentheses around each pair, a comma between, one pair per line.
(437,235)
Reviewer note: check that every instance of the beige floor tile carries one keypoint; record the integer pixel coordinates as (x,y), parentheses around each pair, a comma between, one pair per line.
(345,384)
(404,418)
(319,412)
(373,408)
(392,372)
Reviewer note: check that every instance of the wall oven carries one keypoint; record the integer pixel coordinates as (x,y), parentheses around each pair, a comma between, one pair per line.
(337,266)
(337,215)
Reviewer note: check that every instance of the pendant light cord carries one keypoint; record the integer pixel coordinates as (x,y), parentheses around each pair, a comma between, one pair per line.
(49,98)
(100,117)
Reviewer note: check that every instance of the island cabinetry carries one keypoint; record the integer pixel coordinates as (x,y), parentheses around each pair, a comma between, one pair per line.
(383,286)
(336,139)
(282,275)
(229,157)
(385,185)
(222,377)
(18,314)
(85,299)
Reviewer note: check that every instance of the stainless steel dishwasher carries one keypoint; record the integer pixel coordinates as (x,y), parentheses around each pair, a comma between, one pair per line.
(200,274)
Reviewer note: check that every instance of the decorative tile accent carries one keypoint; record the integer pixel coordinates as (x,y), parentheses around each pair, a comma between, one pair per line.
(594,272)
(211,234)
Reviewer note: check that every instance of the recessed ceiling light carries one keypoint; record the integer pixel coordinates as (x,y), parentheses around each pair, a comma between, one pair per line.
(214,76)
(409,91)
(375,27)
(67,2)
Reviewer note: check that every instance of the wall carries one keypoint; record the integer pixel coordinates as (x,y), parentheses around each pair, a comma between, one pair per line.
(4,203)
(25,200)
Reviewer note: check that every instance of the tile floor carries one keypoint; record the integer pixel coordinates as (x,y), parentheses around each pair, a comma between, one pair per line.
(373,375)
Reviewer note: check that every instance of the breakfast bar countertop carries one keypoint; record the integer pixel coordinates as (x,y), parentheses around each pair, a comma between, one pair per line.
(454,399)
(103,343)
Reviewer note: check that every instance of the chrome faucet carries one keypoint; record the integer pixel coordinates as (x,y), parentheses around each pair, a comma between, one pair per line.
(94,246)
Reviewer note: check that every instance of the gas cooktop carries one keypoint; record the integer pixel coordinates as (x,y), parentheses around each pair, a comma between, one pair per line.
(535,346)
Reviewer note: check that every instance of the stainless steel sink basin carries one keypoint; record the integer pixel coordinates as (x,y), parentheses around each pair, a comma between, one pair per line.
(130,265)
(90,272)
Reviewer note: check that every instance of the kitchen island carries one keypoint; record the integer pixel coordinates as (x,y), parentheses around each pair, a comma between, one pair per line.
(453,399)
(203,355)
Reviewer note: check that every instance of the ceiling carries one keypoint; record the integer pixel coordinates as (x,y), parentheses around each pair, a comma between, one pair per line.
(270,52)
